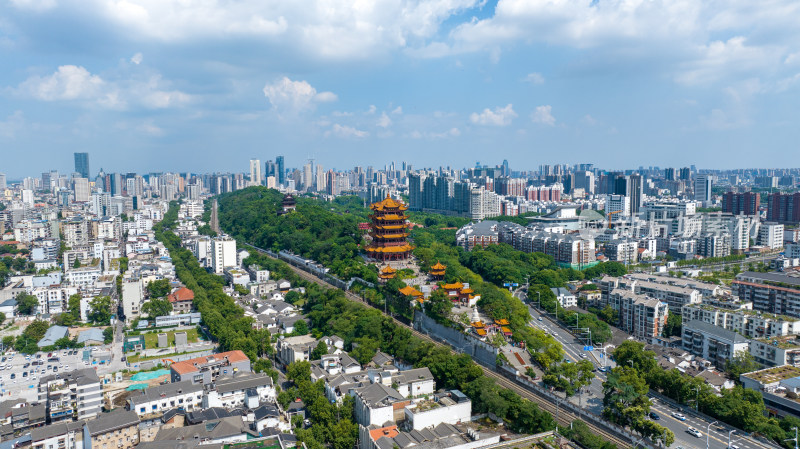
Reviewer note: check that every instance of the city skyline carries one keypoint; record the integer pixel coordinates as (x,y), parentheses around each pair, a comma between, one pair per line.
(147,85)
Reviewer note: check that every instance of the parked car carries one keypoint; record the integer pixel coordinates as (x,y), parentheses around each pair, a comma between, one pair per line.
(679,416)
(694,432)
(654,416)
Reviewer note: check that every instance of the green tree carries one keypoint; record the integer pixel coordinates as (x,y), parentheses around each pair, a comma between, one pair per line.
(673,326)
(74,306)
(632,354)
(438,306)
(319,351)
(292,297)
(300,327)
(742,362)
(100,310)
(569,377)
(36,330)
(364,350)
(159,288)
(2,317)
(8,341)
(108,335)
(77,263)
(625,398)
(156,307)
(27,304)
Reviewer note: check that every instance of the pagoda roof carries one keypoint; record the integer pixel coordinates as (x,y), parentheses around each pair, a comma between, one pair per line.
(456,286)
(388,204)
(389,217)
(391,236)
(388,269)
(501,322)
(410,291)
(390,249)
(467,291)
(390,227)
(439,266)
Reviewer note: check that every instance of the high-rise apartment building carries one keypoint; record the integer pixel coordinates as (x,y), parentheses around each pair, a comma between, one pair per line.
(81,189)
(223,254)
(635,191)
(746,203)
(281,170)
(783,207)
(255,172)
(82,164)
(702,188)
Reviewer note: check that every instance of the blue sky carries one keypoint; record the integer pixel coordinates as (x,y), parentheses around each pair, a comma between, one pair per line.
(151,85)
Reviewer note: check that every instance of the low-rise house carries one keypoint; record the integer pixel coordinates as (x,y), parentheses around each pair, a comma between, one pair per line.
(377,404)
(181,300)
(159,399)
(247,390)
(452,407)
(332,364)
(295,349)
(118,429)
(565,297)
(205,370)
(228,430)
(90,337)
(73,393)
(64,435)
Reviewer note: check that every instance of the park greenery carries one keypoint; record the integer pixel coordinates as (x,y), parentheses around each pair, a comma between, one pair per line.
(157,307)
(316,230)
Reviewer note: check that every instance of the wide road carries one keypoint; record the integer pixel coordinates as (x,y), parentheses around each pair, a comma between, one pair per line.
(718,437)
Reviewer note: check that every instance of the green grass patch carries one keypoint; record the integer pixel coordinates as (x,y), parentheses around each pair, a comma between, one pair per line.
(151,338)
(137,358)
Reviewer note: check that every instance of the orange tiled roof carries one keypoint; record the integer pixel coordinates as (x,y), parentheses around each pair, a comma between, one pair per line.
(388,203)
(181,294)
(388,269)
(439,266)
(388,432)
(456,286)
(505,330)
(503,322)
(478,324)
(410,291)
(480,332)
(192,365)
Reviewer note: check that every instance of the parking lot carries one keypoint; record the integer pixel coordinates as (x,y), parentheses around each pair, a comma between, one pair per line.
(20,373)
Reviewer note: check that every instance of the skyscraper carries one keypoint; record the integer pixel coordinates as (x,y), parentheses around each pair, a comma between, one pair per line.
(255,172)
(702,188)
(281,175)
(635,190)
(82,164)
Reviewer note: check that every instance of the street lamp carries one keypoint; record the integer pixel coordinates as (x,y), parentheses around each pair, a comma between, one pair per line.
(605,355)
(729,437)
(795,437)
(708,430)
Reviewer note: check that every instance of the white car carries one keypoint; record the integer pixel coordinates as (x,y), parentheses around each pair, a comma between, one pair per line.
(679,416)
(695,432)
(733,446)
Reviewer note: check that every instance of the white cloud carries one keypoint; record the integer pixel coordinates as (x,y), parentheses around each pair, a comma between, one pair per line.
(723,58)
(535,78)
(150,129)
(75,83)
(35,5)
(498,117)
(328,29)
(719,120)
(137,58)
(589,120)
(397,110)
(384,121)
(344,131)
(372,109)
(287,96)
(544,115)
(69,82)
